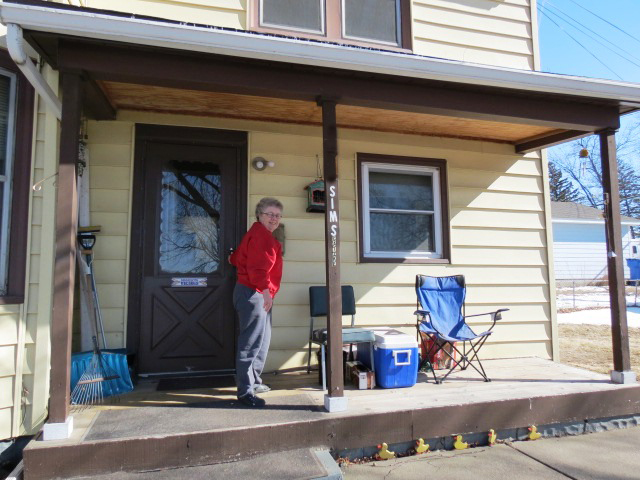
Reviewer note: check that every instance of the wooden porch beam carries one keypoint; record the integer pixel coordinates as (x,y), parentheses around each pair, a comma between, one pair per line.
(547,141)
(96,103)
(615,267)
(167,68)
(335,373)
(65,256)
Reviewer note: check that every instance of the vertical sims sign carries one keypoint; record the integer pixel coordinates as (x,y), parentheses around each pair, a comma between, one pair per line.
(333,225)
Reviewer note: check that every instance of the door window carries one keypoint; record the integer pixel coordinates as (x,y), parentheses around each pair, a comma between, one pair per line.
(190,206)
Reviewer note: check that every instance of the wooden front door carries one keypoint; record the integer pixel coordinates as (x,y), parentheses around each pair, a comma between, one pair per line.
(190,213)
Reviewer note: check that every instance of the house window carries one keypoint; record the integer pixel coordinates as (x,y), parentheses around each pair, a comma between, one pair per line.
(403,206)
(16,127)
(7,129)
(385,23)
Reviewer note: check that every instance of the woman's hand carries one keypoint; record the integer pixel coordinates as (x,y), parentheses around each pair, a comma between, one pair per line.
(268,301)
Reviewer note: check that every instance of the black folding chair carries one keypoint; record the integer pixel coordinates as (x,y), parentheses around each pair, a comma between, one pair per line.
(350,335)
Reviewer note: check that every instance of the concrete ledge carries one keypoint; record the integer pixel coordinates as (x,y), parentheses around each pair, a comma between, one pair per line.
(57,431)
(335,404)
(625,377)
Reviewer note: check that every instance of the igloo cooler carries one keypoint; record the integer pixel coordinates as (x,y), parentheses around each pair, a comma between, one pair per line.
(396,359)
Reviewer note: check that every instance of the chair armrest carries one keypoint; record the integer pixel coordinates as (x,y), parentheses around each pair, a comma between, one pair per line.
(495,316)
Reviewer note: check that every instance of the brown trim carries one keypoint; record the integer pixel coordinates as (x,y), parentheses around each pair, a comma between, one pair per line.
(546,141)
(205,72)
(615,265)
(335,371)
(65,249)
(333,27)
(144,134)
(441,164)
(19,222)
(149,452)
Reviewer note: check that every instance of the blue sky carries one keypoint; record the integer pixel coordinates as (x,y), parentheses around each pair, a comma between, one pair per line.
(603,45)
(561,54)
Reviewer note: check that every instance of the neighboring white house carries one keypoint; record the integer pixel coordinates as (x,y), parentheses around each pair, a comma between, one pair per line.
(579,244)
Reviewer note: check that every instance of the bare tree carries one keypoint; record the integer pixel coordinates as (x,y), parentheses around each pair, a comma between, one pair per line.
(580,161)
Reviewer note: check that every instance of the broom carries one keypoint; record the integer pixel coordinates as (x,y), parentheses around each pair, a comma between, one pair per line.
(89,389)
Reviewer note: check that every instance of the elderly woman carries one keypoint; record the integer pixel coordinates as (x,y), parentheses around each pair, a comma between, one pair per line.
(258,260)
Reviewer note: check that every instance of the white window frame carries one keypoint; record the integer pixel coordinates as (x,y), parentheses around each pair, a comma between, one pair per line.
(322,30)
(6,178)
(434,172)
(398,42)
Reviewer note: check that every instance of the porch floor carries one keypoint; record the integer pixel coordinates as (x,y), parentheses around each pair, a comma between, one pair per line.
(151,429)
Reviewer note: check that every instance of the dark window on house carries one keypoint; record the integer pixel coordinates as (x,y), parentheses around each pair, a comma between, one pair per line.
(373,20)
(385,23)
(16,121)
(304,15)
(403,209)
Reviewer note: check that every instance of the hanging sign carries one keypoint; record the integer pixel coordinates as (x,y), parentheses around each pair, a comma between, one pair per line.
(188,282)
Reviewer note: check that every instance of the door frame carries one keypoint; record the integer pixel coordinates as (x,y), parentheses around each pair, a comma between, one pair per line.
(144,135)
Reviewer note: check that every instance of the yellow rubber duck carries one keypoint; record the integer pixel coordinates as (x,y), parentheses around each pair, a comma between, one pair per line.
(459,444)
(385,453)
(534,435)
(421,447)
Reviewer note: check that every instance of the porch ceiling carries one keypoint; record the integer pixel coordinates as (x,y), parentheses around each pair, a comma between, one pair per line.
(129,96)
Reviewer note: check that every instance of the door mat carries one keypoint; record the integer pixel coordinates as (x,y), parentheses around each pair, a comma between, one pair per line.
(192,383)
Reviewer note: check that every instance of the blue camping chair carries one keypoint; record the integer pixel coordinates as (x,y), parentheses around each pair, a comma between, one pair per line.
(441,314)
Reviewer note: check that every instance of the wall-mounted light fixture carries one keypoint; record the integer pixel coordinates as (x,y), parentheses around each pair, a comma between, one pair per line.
(260,163)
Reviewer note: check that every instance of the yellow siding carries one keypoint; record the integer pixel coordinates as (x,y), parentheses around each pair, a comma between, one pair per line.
(223,13)
(497,231)
(491,32)
(111,170)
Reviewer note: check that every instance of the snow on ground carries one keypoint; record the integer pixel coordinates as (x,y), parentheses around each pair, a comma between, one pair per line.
(589,297)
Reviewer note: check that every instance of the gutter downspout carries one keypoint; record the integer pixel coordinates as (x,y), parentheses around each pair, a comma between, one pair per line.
(15,44)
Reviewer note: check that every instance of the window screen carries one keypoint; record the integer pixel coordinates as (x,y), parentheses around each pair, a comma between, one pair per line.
(372,20)
(296,14)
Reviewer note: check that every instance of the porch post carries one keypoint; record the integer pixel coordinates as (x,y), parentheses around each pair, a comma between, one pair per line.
(60,424)
(335,400)
(621,372)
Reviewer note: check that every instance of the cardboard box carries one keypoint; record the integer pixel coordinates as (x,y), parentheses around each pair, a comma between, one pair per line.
(361,376)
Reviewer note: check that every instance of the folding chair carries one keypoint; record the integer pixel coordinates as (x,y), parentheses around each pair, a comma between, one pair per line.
(441,314)
(350,335)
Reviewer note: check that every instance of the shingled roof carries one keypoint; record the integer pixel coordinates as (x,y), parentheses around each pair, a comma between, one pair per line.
(576,212)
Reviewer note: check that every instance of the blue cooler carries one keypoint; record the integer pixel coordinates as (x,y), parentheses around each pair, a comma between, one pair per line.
(396,359)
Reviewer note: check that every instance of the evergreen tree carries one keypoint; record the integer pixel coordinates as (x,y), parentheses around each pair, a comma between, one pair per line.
(561,188)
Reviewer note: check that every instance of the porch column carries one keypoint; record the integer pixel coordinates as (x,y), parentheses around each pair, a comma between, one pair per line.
(621,372)
(335,400)
(60,424)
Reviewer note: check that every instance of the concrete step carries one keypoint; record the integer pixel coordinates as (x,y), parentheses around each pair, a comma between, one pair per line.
(304,463)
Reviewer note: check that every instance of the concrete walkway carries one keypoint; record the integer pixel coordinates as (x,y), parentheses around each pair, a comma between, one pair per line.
(609,455)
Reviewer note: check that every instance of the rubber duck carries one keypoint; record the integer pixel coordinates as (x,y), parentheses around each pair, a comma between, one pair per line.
(385,453)
(421,447)
(492,437)
(534,435)
(459,444)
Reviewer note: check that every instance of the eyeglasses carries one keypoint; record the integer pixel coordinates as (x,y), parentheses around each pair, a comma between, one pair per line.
(277,216)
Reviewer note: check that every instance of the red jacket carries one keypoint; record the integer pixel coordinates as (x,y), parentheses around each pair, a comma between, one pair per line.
(259,260)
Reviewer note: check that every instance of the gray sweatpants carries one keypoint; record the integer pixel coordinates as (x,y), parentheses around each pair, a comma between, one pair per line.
(254,337)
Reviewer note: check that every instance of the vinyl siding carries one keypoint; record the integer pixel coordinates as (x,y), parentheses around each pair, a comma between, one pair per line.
(580,251)
(490,32)
(223,13)
(497,232)
(110,146)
